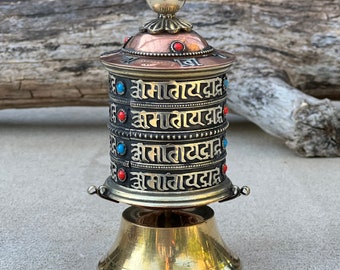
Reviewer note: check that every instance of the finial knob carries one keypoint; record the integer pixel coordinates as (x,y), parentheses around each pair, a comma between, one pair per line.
(166,21)
(165,7)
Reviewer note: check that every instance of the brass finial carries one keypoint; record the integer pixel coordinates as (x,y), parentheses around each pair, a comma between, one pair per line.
(166,21)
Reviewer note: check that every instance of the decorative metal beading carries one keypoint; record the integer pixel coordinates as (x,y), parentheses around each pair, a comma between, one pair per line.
(171,53)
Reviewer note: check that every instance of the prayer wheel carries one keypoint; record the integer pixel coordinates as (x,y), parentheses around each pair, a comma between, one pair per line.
(168,120)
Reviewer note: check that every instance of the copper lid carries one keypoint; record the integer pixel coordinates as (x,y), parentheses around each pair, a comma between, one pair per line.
(153,56)
(167,46)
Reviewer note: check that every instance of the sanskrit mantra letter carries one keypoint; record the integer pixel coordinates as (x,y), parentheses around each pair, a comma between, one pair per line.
(167,136)
(177,119)
(173,90)
(175,182)
(176,153)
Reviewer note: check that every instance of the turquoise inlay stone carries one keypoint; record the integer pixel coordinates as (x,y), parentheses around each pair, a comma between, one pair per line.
(121,148)
(226,83)
(120,87)
(225,142)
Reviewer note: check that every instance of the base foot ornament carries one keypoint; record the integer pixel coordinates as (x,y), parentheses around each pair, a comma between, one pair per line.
(169,240)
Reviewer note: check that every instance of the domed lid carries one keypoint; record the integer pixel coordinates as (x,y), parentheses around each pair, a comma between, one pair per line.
(167,46)
(180,44)
(154,56)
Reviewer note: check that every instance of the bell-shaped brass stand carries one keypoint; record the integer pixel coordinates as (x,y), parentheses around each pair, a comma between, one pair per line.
(169,240)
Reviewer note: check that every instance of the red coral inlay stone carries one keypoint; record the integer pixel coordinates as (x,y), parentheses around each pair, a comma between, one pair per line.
(225,110)
(121,116)
(121,175)
(178,46)
(224,168)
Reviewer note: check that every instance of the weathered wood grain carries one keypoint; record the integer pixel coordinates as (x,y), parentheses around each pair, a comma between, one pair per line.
(286,50)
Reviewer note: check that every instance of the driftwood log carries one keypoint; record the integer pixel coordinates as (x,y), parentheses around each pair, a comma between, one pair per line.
(286,78)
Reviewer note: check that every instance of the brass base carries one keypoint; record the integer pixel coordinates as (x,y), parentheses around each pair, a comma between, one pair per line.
(178,239)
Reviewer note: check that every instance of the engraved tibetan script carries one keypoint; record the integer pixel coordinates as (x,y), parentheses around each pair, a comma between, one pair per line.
(174,154)
(112,83)
(113,171)
(113,144)
(177,119)
(173,90)
(188,62)
(175,182)
(113,113)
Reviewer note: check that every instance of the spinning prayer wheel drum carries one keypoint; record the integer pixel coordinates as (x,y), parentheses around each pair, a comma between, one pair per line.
(168,144)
